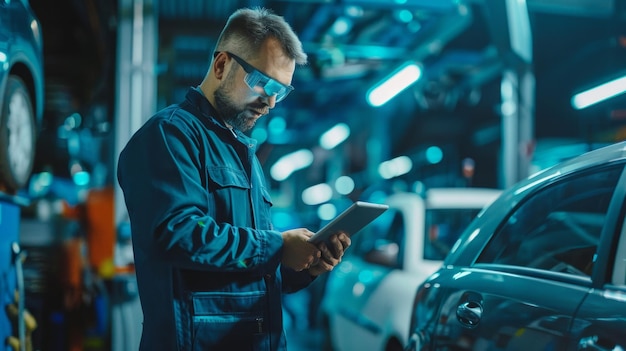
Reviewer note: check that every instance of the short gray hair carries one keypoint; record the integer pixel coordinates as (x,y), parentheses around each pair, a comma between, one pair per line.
(248,28)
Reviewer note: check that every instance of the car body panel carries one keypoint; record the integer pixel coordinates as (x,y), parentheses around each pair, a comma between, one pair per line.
(22,43)
(576,303)
(511,313)
(600,323)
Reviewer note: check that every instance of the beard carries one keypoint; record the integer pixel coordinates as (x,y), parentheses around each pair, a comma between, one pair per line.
(231,113)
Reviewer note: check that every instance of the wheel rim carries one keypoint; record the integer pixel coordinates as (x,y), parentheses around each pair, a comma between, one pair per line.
(19,125)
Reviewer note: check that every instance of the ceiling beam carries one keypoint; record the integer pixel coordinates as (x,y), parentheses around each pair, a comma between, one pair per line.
(583,8)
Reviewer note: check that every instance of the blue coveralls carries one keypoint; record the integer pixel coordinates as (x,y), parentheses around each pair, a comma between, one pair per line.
(206,256)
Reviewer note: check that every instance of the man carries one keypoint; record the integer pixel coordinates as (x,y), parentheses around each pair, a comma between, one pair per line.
(210,268)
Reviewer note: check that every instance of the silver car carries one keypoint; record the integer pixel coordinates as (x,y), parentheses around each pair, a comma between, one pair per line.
(21,92)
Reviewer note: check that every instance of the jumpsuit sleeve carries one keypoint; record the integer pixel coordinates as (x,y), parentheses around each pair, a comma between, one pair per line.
(160,172)
(294,281)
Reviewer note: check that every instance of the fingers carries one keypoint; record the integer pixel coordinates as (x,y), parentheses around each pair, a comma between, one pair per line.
(332,257)
(313,262)
(308,261)
(345,240)
(320,267)
(298,253)
(325,266)
(338,244)
(331,254)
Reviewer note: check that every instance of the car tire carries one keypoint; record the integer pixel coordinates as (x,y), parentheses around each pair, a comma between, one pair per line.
(17,135)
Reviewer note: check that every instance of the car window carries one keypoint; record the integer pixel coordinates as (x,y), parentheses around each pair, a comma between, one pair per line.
(558,228)
(380,241)
(442,229)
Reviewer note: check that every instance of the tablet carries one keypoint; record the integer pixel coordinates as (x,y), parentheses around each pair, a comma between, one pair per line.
(350,221)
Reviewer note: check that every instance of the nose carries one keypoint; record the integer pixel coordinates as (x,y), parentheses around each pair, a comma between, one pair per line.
(270,101)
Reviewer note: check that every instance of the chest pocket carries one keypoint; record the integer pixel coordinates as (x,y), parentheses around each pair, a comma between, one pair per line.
(230,200)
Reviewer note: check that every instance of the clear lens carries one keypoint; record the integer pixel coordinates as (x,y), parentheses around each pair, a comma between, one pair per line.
(259,82)
(262,84)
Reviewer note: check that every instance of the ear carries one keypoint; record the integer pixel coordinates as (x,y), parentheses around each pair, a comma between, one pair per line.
(219,65)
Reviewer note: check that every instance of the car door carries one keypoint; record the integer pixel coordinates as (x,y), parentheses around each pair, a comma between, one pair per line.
(600,322)
(523,289)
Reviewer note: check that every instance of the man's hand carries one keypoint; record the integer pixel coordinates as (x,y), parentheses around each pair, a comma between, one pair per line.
(331,256)
(298,253)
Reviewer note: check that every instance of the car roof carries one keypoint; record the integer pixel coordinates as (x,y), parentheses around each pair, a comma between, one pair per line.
(460,197)
(447,198)
(611,153)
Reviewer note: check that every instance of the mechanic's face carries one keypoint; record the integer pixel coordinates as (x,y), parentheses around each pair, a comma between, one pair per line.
(242,104)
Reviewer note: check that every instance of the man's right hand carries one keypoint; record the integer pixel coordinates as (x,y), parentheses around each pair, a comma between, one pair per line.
(298,253)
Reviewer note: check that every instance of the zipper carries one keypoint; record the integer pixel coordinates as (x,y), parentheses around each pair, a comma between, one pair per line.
(252,205)
(268,289)
(259,324)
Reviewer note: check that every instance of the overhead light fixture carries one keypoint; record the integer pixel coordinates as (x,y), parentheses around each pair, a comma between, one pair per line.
(342,26)
(290,163)
(334,136)
(395,167)
(392,85)
(317,194)
(600,93)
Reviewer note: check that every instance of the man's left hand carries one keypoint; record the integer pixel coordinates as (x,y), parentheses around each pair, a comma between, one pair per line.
(332,252)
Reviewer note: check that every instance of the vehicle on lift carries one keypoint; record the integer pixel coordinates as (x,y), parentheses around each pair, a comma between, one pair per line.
(542,268)
(21,92)
(366,302)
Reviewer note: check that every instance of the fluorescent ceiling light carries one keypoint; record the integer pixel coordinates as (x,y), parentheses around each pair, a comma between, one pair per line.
(599,93)
(334,136)
(395,167)
(393,84)
(317,194)
(290,163)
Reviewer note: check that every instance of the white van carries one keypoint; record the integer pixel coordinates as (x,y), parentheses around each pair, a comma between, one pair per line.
(364,306)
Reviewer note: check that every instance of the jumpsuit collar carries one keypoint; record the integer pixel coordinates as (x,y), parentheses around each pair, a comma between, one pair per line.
(196,98)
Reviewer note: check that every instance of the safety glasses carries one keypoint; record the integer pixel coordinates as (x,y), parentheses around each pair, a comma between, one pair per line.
(259,82)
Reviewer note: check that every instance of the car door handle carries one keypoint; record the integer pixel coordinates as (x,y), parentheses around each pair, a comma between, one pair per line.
(591,343)
(469,313)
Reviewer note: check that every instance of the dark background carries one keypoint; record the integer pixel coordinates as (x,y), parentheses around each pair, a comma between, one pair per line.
(455,106)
